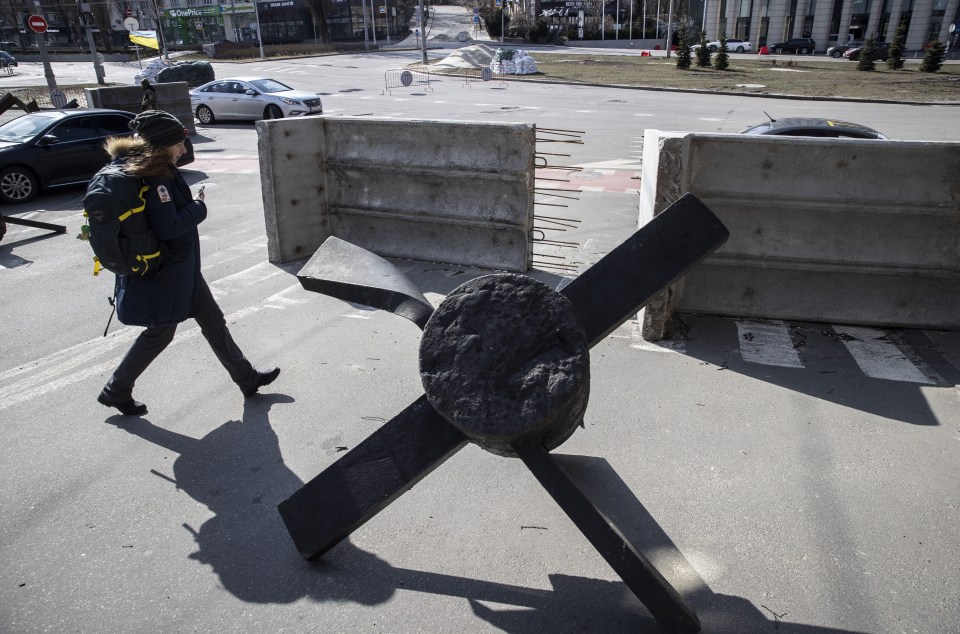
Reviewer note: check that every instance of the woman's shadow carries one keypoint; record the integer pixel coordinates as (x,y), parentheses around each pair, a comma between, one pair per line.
(238,472)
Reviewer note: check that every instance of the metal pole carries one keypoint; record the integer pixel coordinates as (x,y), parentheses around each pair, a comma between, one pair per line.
(423,36)
(366,32)
(373,22)
(256,10)
(42,47)
(669,28)
(97,67)
(631,18)
(703,25)
(386,17)
(160,38)
(503,8)
(617,34)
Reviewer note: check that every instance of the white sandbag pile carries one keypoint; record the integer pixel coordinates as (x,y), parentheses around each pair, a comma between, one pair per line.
(507,62)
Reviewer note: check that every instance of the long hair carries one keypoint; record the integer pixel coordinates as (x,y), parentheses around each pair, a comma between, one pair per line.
(142,159)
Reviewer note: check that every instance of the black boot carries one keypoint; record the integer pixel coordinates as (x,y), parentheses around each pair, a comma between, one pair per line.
(127,406)
(260,379)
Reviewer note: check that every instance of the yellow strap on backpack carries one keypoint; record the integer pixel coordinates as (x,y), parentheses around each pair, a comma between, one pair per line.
(97,267)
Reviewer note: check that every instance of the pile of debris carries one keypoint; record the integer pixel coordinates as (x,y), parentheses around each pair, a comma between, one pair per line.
(508,62)
(500,61)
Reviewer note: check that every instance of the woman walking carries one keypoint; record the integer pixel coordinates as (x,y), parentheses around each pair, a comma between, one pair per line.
(173,289)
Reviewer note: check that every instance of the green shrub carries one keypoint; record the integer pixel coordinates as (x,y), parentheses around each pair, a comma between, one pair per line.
(897,48)
(703,53)
(722,62)
(865,59)
(933,59)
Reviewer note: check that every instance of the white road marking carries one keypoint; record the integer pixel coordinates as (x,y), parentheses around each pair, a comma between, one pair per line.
(63,374)
(290,296)
(231,253)
(245,278)
(767,343)
(879,358)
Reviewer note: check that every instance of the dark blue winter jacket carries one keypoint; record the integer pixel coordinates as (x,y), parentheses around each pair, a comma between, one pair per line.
(165,294)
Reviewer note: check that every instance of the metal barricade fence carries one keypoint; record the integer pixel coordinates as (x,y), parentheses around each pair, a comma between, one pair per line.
(473,75)
(404,78)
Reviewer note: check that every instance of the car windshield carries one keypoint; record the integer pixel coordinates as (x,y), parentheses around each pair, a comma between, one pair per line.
(269,85)
(25,127)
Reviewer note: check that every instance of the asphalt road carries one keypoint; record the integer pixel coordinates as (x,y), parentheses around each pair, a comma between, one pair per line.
(776,497)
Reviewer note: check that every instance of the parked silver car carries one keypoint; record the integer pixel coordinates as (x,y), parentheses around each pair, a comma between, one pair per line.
(251,98)
(733,46)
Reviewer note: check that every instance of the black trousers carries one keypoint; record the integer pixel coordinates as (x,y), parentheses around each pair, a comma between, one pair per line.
(155,339)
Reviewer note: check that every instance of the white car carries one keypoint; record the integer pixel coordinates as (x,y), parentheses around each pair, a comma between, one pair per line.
(251,98)
(734,46)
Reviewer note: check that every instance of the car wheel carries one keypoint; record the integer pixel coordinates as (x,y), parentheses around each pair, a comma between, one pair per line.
(803,51)
(713,49)
(18,185)
(205,115)
(836,54)
(273,112)
(739,49)
(777,51)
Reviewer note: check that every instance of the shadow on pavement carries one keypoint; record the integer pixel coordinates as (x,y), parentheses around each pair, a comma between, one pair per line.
(829,372)
(238,472)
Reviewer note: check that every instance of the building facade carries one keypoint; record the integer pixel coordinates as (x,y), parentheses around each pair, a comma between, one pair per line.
(831,22)
(191,23)
(195,22)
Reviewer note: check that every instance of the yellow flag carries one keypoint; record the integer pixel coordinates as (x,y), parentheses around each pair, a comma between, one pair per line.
(145,38)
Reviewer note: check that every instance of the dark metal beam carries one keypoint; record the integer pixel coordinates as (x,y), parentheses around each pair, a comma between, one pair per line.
(637,572)
(345,271)
(660,252)
(369,477)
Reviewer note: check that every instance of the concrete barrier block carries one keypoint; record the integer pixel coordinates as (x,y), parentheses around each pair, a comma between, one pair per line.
(457,192)
(293,183)
(848,231)
(172,97)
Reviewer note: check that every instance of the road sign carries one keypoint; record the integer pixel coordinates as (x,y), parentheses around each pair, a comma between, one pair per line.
(58,99)
(128,13)
(37,23)
(382,9)
(131,24)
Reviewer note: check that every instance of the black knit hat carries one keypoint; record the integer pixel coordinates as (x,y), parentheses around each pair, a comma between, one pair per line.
(158,128)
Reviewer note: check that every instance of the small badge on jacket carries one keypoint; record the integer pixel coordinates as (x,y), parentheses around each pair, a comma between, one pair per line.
(163,193)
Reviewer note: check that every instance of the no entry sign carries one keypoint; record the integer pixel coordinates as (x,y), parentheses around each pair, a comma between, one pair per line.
(37,23)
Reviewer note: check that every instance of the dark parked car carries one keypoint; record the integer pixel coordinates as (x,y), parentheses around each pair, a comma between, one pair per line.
(6,59)
(881,51)
(55,148)
(838,50)
(815,127)
(801,45)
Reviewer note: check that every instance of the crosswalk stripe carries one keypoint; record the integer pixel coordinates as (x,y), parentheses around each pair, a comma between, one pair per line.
(290,296)
(877,357)
(39,385)
(245,278)
(767,343)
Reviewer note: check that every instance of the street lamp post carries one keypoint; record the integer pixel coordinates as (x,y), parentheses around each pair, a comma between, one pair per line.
(44,57)
(256,10)
(423,36)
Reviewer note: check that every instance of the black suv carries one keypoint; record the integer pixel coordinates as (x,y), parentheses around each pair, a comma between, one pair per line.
(801,45)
